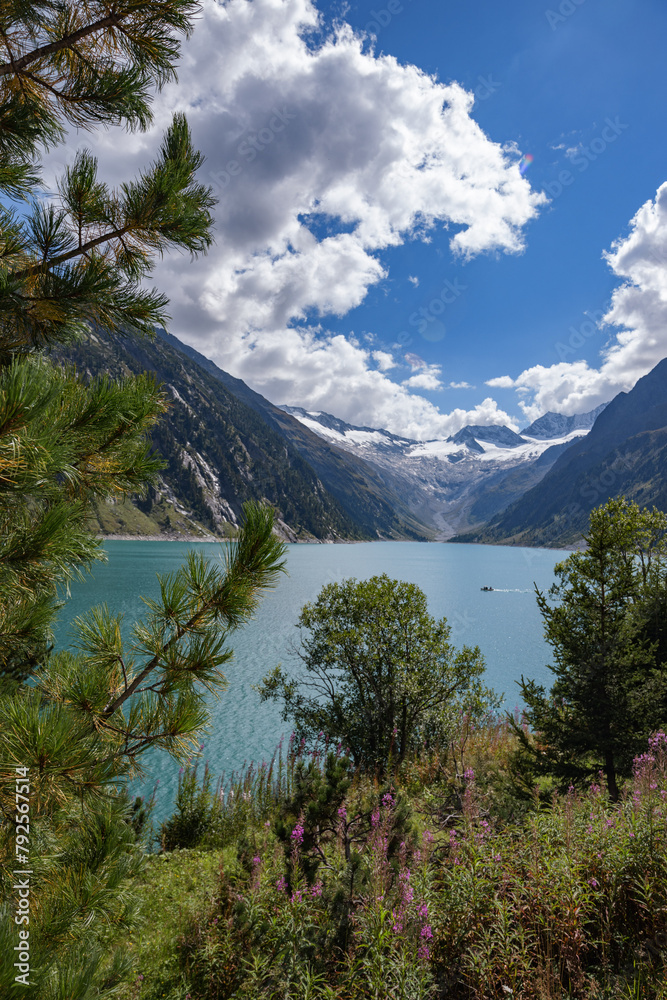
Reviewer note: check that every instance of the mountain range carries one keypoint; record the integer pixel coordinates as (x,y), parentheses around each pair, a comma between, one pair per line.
(328,480)
(459,483)
(223,444)
(624,453)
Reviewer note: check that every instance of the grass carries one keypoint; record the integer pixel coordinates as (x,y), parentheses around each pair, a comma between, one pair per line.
(178,886)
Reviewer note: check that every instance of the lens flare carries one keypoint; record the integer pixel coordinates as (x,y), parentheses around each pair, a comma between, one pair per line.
(525,163)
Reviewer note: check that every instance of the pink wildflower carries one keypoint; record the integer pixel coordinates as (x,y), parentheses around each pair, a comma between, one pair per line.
(297,834)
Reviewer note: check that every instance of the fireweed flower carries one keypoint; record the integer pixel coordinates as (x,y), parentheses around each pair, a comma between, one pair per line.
(387,801)
(281,884)
(426,932)
(342,812)
(256,861)
(297,834)
(424,953)
(423,910)
(316,890)
(375,818)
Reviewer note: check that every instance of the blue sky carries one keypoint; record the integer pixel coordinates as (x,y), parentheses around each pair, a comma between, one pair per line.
(380,252)
(543,82)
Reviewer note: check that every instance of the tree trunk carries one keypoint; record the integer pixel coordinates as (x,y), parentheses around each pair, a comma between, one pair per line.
(610,771)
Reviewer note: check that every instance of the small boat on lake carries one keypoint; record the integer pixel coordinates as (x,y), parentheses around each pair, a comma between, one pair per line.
(486,588)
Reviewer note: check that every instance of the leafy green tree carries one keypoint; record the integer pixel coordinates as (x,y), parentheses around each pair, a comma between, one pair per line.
(380,673)
(610,686)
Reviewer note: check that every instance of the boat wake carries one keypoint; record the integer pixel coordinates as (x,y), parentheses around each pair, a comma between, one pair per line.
(510,590)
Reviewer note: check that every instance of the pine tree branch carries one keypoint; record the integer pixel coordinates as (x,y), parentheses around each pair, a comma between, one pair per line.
(15,66)
(155,660)
(79,251)
(62,95)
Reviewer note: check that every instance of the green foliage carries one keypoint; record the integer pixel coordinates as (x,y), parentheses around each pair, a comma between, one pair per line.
(569,903)
(63,445)
(94,713)
(609,692)
(384,676)
(318,792)
(79,257)
(195,812)
(84,887)
(83,256)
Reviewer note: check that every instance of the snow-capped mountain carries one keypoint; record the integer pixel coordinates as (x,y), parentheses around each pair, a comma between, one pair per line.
(462,481)
(556,425)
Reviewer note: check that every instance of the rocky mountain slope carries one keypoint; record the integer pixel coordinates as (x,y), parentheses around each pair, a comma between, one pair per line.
(221,450)
(625,452)
(461,482)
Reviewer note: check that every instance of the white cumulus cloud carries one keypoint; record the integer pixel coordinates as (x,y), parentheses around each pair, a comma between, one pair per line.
(322,154)
(638,311)
(427,378)
(384,360)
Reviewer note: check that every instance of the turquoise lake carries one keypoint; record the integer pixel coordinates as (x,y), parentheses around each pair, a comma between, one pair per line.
(505,624)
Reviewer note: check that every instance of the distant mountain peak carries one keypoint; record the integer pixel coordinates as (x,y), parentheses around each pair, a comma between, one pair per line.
(497,434)
(556,425)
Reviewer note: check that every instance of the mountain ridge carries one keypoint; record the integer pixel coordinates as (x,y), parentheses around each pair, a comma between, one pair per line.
(219,452)
(625,452)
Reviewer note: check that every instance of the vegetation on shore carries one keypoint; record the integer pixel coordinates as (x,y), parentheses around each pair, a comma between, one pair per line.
(308,879)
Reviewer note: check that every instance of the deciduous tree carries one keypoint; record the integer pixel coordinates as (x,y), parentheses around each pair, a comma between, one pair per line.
(380,672)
